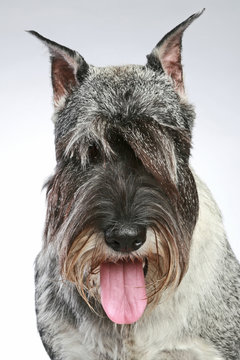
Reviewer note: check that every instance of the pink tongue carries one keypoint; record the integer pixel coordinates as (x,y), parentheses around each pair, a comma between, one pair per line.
(123,293)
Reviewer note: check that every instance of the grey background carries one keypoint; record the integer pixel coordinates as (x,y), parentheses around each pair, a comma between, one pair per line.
(104,32)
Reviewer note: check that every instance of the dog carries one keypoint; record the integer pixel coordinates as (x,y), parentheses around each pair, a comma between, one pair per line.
(135,263)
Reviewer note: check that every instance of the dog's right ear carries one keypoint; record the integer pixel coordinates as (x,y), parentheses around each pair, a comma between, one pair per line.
(68,68)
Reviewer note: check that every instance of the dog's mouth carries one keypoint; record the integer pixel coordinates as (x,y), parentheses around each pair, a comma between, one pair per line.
(123,292)
(145,267)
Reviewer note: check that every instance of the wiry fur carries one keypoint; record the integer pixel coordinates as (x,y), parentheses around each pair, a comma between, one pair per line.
(123,140)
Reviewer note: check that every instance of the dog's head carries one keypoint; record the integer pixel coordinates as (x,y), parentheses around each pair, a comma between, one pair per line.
(122,204)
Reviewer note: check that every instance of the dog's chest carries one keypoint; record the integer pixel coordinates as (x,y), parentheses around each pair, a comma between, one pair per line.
(153,343)
(101,346)
(99,343)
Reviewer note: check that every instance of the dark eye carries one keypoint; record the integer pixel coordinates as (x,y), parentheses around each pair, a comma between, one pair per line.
(93,154)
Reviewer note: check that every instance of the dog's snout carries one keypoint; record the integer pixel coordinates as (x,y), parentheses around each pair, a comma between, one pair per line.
(125,238)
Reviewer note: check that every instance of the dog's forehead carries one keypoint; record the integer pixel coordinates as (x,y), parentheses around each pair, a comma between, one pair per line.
(125,82)
(121,92)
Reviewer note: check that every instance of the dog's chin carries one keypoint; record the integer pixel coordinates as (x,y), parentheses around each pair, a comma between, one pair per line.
(123,283)
(124,286)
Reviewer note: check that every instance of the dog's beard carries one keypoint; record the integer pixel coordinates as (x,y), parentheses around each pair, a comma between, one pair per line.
(164,255)
(158,259)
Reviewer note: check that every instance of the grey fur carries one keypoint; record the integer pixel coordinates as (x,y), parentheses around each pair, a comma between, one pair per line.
(200,318)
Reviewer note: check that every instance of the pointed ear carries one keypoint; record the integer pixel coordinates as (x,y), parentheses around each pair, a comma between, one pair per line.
(68,68)
(166,56)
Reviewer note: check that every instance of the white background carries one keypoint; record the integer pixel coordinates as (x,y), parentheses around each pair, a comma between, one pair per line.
(104,32)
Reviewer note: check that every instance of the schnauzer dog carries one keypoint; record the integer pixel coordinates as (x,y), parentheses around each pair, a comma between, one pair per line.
(135,263)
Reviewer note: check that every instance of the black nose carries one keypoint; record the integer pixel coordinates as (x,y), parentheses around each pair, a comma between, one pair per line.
(125,238)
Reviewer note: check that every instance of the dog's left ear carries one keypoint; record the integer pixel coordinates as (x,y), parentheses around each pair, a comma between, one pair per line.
(166,55)
(68,67)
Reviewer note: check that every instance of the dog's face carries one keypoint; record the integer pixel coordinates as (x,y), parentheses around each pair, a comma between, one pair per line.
(122,204)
